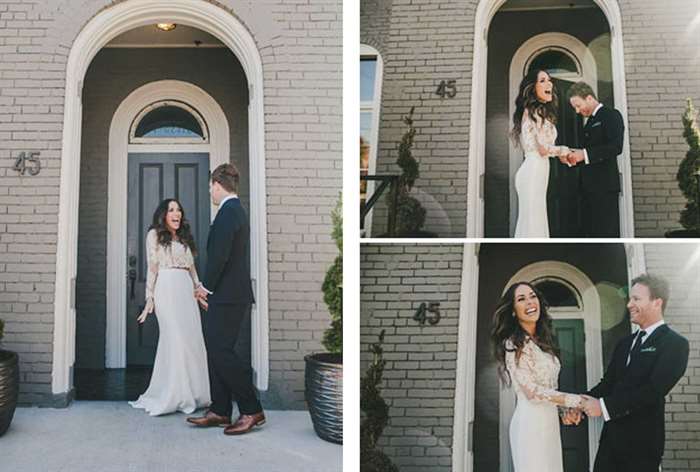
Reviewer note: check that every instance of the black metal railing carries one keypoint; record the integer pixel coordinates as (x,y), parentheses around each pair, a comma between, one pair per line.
(385,181)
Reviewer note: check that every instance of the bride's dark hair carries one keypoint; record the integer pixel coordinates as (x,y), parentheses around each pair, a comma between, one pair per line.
(506,327)
(527,100)
(165,238)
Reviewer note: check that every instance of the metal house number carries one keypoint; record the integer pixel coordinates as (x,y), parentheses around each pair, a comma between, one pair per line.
(447,88)
(28,162)
(421,315)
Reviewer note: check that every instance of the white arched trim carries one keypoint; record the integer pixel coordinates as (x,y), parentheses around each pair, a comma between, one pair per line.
(477,132)
(101,29)
(127,113)
(523,57)
(589,301)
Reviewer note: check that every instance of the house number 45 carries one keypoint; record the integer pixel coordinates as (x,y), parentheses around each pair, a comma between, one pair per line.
(28,162)
(447,88)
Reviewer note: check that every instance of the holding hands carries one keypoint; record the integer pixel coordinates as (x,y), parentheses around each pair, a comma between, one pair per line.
(201,296)
(589,406)
(572,158)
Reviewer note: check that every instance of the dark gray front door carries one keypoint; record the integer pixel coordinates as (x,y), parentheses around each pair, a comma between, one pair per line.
(572,378)
(152,178)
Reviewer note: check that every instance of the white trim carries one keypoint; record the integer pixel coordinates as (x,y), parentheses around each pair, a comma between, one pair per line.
(477,132)
(590,313)
(375,108)
(125,118)
(462,454)
(159,46)
(101,29)
(636,266)
(523,57)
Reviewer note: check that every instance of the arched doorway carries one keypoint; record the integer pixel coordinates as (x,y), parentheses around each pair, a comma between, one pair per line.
(575,309)
(478,181)
(568,61)
(95,35)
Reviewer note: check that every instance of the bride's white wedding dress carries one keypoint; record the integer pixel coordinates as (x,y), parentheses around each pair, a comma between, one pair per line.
(535,442)
(180,379)
(532,177)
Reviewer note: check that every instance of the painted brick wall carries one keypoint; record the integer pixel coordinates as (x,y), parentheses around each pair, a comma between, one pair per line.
(680,265)
(300,45)
(427,41)
(419,380)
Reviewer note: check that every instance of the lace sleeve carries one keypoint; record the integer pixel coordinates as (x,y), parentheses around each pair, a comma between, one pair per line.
(152,260)
(533,133)
(193,270)
(523,371)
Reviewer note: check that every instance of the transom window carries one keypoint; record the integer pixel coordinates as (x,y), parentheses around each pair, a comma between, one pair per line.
(168,121)
(558,293)
(557,61)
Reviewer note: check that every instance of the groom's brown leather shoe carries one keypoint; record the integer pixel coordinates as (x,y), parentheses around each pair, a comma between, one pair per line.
(210,419)
(245,423)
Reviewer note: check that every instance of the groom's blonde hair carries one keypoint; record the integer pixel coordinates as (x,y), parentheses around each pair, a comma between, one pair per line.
(581,89)
(227,176)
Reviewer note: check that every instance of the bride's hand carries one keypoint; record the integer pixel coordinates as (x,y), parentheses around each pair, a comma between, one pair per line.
(147,310)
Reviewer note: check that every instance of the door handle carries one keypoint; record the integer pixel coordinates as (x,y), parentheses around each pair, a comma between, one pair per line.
(132,279)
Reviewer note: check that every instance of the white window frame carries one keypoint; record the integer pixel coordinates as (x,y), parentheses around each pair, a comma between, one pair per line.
(168,140)
(374,107)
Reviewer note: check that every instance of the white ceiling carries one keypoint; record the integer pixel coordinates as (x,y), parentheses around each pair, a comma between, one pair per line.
(150,36)
(546,4)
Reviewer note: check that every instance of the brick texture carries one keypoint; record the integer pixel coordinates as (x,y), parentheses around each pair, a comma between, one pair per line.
(300,45)
(419,379)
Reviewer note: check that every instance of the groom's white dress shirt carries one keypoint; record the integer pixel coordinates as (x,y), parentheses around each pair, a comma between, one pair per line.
(648,332)
(585,153)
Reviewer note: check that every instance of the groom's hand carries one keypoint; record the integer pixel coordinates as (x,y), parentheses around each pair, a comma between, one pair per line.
(571,417)
(591,406)
(575,156)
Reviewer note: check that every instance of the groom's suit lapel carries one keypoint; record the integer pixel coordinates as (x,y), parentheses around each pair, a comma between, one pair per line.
(650,341)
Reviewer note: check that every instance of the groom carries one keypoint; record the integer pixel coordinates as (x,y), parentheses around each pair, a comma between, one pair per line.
(227,295)
(603,136)
(645,366)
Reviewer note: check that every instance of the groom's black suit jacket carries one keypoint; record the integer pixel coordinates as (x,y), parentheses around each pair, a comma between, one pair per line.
(228,267)
(603,137)
(634,394)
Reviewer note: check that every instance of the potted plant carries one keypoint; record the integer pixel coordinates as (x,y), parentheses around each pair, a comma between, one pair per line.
(324,371)
(376,414)
(408,211)
(9,384)
(688,177)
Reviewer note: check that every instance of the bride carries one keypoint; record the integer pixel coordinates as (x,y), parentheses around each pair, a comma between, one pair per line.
(529,362)
(180,379)
(534,130)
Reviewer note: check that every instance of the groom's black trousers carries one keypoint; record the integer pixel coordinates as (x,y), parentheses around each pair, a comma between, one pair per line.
(600,214)
(608,460)
(230,378)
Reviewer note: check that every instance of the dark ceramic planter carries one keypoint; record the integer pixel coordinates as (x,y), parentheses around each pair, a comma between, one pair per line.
(9,388)
(324,395)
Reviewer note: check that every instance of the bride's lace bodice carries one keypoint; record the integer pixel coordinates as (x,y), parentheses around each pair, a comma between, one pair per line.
(536,375)
(177,256)
(543,132)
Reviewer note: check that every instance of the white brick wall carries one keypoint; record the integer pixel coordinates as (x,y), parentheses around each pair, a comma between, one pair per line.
(300,44)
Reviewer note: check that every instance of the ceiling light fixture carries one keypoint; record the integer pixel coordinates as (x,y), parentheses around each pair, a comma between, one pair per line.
(166,26)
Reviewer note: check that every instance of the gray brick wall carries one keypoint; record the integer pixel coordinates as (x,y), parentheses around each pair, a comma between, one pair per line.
(419,380)
(300,46)
(423,42)
(679,264)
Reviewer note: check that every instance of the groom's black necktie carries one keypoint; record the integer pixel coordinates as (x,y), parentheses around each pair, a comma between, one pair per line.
(637,345)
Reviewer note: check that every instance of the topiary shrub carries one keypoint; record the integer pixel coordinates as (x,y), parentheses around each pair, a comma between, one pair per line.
(333,287)
(688,169)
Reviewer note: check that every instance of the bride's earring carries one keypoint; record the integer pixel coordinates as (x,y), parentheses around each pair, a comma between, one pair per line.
(513,314)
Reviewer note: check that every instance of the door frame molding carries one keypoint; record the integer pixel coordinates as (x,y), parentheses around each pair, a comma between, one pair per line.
(590,313)
(520,61)
(485,12)
(100,30)
(122,121)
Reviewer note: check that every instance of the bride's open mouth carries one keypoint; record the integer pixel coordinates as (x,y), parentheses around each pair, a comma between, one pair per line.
(531,311)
